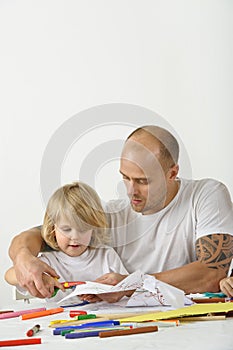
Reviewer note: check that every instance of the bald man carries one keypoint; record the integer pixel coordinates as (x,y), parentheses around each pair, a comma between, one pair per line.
(179,230)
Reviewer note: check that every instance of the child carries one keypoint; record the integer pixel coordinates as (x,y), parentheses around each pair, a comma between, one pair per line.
(75,227)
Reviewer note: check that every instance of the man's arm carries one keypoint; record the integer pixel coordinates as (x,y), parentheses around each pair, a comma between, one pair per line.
(28,268)
(214,254)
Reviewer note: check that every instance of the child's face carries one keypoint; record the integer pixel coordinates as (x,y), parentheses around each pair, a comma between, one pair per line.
(70,240)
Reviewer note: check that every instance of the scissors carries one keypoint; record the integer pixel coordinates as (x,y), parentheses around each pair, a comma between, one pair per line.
(67,285)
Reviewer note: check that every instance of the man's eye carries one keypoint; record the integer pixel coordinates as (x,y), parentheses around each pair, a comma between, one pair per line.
(143,182)
(125,177)
(66,229)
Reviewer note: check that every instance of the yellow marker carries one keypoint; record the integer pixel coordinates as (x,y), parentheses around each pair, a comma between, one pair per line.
(58,321)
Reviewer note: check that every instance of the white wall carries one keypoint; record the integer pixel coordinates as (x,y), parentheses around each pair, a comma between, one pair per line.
(59,58)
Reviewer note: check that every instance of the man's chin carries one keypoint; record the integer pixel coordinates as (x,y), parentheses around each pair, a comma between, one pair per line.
(137,208)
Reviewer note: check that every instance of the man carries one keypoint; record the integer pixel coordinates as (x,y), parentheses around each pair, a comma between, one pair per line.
(180,231)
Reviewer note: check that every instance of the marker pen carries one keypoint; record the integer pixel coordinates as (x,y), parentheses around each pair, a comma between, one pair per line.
(33,330)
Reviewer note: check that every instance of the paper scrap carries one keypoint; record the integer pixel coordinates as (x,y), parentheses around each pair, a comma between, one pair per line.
(156,293)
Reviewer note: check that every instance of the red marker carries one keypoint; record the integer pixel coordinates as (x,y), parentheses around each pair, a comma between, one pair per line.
(33,330)
(74,313)
(72,284)
(15,342)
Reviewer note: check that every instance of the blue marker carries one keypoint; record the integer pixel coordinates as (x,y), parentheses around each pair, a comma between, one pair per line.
(74,305)
(214,295)
(58,330)
(83,334)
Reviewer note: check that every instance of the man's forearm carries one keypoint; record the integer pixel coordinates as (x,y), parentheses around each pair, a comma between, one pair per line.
(28,242)
(195,277)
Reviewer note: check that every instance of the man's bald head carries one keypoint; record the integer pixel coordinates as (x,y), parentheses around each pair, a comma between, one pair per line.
(150,136)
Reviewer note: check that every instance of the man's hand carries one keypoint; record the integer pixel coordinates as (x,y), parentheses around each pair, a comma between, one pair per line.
(226,286)
(29,271)
(51,282)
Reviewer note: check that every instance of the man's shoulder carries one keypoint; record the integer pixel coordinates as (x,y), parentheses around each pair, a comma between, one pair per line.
(204,188)
(202,183)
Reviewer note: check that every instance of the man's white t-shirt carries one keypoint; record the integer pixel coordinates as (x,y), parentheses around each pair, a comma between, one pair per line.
(166,239)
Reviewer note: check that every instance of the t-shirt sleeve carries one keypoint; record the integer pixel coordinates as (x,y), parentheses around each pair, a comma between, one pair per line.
(213,210)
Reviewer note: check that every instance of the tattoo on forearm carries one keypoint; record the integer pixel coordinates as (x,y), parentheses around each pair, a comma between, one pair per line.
(215,250)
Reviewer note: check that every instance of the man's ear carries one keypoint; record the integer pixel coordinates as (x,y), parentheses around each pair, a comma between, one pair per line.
(173,172)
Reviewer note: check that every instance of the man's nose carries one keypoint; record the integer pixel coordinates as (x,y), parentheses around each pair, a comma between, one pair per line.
(132,188)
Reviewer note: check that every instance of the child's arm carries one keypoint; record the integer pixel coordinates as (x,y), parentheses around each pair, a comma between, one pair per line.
(10,276)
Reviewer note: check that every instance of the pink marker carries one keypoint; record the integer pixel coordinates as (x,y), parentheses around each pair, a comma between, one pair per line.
(19,313)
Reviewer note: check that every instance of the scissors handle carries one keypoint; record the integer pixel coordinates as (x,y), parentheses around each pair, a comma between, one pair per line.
(67,285)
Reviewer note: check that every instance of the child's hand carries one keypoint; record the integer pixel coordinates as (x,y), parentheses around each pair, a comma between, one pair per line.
(91,298)
(226,286)
(111,278)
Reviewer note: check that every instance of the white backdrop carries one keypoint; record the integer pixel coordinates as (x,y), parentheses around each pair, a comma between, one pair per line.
(59,58)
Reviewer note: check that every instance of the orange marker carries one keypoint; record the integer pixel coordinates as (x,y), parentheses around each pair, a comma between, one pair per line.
(42,313)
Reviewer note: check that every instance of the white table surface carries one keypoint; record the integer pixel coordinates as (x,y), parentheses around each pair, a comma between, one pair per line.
(207,335)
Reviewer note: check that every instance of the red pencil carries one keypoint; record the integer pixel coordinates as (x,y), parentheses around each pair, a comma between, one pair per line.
(15,342)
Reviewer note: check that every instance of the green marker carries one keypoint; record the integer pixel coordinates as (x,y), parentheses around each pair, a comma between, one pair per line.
(86,317)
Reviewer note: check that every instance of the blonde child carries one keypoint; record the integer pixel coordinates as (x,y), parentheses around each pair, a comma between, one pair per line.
(75,228)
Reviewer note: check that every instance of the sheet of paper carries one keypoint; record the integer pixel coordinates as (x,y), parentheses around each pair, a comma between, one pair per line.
(149,291)
(132,282)
(196,309)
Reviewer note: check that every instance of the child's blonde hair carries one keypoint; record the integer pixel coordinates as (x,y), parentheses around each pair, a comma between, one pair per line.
(80,204)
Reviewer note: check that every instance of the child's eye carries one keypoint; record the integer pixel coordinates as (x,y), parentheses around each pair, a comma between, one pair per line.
(66,229)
